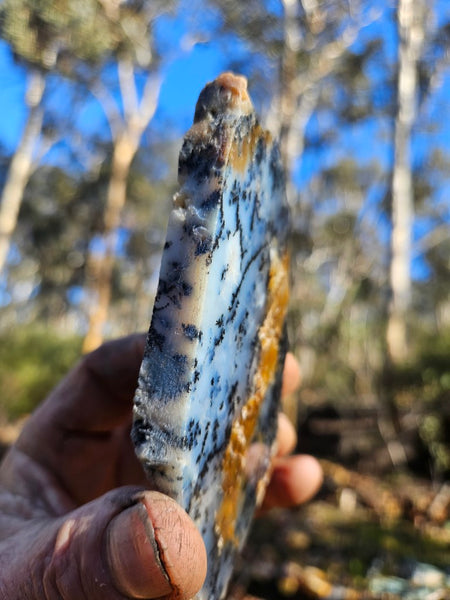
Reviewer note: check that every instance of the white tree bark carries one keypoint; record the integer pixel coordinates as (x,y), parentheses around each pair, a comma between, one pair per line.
(126,131)
(299,92)
(21,165)
(410,19)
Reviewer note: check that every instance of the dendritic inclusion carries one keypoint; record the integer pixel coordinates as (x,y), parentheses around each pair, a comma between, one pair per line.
(206,407)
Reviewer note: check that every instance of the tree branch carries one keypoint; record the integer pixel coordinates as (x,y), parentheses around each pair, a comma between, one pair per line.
(149,101)
(432,239)
(128,91)
(109,106)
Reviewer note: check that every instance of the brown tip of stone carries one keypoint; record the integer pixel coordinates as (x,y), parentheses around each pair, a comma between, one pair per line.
(227,93)
(236,84)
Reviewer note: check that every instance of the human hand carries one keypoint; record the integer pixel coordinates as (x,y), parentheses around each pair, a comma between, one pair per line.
(75,518)
(295,478)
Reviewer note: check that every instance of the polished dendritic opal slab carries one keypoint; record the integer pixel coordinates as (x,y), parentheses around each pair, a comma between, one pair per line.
(206,407)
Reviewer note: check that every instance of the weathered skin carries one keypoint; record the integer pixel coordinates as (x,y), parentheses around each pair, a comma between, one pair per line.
(206,407)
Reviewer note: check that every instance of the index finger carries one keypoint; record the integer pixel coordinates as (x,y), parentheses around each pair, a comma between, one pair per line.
(95,396)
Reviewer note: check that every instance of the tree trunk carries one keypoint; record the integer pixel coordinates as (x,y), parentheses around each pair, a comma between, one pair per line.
(100,268)
(127,130)
(21,165)
(411,34)
(410,25)
(288,93)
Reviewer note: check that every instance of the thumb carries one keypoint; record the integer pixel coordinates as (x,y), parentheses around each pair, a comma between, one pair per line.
(164,555)
(125,544)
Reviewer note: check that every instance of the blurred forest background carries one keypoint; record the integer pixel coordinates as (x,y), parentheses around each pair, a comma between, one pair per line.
(95,96)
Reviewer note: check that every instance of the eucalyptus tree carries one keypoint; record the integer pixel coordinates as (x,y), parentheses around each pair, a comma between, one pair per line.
(310,60)
(46,37)
(136,63)
(411,21)
(39,53)
(108,49)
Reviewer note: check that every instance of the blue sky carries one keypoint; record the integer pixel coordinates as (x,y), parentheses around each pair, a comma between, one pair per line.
(188,66)
(12,90)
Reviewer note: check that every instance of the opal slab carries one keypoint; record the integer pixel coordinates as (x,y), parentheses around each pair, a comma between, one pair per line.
(205,412)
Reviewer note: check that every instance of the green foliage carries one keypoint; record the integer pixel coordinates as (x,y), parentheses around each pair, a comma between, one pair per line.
(35,30)
(58,217)
(32,361)
(424,385)
(429,370)
(52,32)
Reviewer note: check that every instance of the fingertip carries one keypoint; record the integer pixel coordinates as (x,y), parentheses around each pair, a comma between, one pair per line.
(291,375)
(286,435)
(154,550)
(306,469)
(133,555)
(180,545)
(295,480)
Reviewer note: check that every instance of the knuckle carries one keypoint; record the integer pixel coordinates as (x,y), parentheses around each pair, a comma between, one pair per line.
(61,572)
(74,570)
